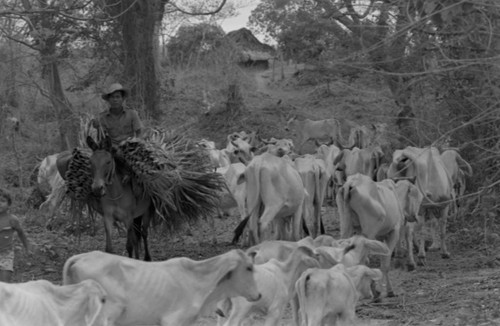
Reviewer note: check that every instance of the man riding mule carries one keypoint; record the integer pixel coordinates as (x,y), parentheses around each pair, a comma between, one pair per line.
(131,180)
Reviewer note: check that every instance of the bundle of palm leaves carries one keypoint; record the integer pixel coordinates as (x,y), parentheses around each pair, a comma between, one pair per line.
(78,176)
(175,174)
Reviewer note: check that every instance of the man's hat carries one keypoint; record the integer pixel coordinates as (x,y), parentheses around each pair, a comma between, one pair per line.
(114,88)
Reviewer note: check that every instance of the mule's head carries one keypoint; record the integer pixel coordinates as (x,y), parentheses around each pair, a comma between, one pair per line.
(102,165)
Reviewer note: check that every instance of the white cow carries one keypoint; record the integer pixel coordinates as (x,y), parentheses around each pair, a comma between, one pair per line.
(374,209)
(315,178)
(43,303)
(173,292)
(309,129)
(49,177)
(274,196)
(433,181)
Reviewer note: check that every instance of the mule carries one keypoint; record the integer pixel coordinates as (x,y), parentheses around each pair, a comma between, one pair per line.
(118,200)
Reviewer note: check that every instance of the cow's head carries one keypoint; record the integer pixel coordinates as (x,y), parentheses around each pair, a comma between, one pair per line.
(240,151)
(402,165)
(363,277)
(206,144)
(280,147)
(238,276)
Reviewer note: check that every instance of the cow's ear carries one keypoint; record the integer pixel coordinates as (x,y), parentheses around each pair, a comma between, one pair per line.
(241,179)
(92,144)
(252,255)
(339,157)
(253,149)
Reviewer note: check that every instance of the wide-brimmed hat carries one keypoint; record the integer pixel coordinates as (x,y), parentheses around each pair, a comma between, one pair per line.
(114,88)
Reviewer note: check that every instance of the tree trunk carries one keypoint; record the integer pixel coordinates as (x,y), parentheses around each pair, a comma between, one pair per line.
(66,119)
(139,30)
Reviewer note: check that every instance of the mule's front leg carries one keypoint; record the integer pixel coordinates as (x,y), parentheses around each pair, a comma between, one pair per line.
(108,226)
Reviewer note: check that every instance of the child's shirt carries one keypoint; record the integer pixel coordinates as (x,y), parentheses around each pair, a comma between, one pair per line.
(6,234)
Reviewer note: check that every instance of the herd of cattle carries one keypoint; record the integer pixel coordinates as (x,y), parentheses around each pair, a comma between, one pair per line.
(279,195)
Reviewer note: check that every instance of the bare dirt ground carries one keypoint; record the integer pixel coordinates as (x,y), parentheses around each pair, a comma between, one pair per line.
(462,290)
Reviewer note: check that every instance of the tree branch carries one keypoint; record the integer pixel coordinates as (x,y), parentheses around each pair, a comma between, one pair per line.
(6,35)
(199,13)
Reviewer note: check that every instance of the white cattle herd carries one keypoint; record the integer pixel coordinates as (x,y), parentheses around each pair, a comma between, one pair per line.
(279,196)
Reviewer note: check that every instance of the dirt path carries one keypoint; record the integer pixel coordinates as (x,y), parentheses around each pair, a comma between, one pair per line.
(462,290)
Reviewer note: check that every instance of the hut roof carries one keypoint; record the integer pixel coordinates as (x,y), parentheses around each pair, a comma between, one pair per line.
(249,46)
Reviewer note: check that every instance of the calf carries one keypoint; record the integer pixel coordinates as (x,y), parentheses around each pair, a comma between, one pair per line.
(172,292)
(410,199)
(275,280)
(330,295)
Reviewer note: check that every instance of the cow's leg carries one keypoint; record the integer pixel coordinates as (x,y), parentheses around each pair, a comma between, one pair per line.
(349,316)
(346,228)
(238,313)
(409,232)
(442,232)
(392,241)
(253,229)
(267,217)
(297,232)
(436,245)
(273,317)
(295,309)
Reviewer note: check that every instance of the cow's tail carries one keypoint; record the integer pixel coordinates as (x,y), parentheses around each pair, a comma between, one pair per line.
(239,230)
(340,141)
(253,179)
(345,211)
(301,291)
(317,202)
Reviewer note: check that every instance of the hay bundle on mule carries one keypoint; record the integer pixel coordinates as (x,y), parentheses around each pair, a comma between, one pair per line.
(175,174)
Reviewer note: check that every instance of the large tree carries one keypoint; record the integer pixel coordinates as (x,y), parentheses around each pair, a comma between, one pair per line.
(49,28)
(139,23)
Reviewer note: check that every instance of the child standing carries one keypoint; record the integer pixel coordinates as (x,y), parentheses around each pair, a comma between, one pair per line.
(8,224)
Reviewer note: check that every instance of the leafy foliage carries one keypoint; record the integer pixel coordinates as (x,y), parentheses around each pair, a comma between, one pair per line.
(194,41)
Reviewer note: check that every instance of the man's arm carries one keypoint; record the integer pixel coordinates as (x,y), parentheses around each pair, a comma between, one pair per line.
(14,223)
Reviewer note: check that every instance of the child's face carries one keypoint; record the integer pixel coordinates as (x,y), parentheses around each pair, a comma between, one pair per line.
(4,204)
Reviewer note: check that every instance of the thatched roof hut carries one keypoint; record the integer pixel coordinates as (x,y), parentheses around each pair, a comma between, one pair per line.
(252,52)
